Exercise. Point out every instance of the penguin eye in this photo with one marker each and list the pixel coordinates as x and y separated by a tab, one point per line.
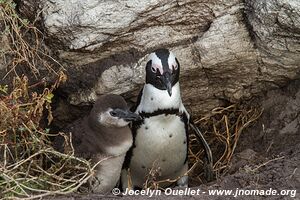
113	113
153	69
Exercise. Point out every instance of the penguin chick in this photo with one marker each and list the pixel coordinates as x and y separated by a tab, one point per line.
104	135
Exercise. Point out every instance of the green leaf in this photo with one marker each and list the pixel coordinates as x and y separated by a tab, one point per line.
21	128
4	88
25	21
49	97
47	130
13	5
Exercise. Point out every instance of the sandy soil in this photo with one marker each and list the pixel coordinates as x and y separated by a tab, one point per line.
268	154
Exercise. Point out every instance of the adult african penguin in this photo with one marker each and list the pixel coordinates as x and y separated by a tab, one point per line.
104	137
161	138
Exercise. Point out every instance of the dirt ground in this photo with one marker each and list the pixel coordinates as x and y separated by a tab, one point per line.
267	156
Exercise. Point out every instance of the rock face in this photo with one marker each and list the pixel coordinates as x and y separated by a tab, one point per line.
228	50
101	28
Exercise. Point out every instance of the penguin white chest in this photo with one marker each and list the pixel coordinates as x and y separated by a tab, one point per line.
160	143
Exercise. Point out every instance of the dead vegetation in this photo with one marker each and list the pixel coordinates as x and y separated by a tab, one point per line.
222	128
29	166
26	50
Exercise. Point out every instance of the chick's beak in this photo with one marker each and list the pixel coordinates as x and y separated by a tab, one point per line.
127	115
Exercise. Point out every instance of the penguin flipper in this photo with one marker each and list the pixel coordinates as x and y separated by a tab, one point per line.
133	108
209	158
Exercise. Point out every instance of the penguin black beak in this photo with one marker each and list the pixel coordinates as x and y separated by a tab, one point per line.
126	115
167	81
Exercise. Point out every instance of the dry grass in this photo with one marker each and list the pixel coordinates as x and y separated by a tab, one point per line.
26	49
222	128
29	166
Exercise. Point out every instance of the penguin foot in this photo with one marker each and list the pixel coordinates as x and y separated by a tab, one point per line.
183	182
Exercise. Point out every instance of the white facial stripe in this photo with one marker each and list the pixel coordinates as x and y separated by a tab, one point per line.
156	63
172	61
106	119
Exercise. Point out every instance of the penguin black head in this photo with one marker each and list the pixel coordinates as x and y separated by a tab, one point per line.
111	111
162	70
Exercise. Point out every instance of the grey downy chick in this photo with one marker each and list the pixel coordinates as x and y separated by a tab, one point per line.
104	137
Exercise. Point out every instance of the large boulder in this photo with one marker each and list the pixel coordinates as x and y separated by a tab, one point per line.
228	50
